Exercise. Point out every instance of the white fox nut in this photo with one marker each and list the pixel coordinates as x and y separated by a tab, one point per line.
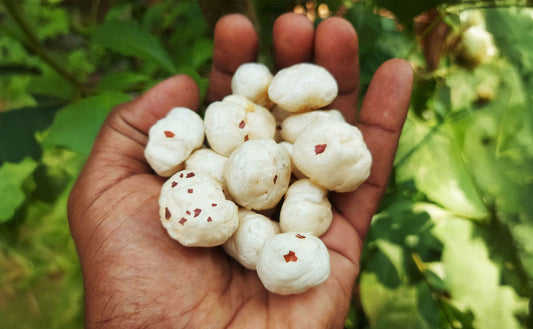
303	87
251	80
306	208
257	174
333	155
235	120
207	161
246	243
172	139
194	211
291	263
293	125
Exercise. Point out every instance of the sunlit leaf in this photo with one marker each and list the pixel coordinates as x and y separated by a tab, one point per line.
12	177
474	280
76	125
130	39
434	163
399	308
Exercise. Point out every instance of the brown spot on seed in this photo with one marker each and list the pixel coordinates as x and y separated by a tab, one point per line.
319	148
197	212
189	175
167	213
181	175
213	205
182	220
187	212
242	124
246	138
290	257
173	184
299	236
275	179
169	134
209	219
190	190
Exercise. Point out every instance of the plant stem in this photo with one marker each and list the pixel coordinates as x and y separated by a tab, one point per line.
35	45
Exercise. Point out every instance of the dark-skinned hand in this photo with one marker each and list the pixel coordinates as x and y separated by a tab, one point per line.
136	276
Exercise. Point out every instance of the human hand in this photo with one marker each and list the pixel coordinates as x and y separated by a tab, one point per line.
135	275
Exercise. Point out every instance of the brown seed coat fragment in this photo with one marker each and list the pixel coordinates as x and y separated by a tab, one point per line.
169	134
320	148
290	257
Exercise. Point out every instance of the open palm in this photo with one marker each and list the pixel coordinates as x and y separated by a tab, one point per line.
136	276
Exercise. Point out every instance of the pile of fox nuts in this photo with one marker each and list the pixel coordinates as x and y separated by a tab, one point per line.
260	187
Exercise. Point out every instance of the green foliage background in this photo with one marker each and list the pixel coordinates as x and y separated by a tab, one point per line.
452	243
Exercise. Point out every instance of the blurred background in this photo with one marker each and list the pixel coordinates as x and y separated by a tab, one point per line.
452	243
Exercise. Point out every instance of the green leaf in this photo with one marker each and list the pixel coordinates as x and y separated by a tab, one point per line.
436	167
366	23
130	39
12	177
202	52
511	31
403	307
120	81
473	279
76	125
17	131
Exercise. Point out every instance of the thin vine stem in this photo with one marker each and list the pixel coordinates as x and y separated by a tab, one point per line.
37	47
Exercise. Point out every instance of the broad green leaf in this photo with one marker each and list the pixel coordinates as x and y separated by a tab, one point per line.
366	23
120	81
434	163
12	177
130	39
51	84
395	254
511	30
17	131
403	307
76	125
473	279
202	51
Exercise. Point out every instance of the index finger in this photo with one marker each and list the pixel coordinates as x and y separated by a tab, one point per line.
337	49
235	43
